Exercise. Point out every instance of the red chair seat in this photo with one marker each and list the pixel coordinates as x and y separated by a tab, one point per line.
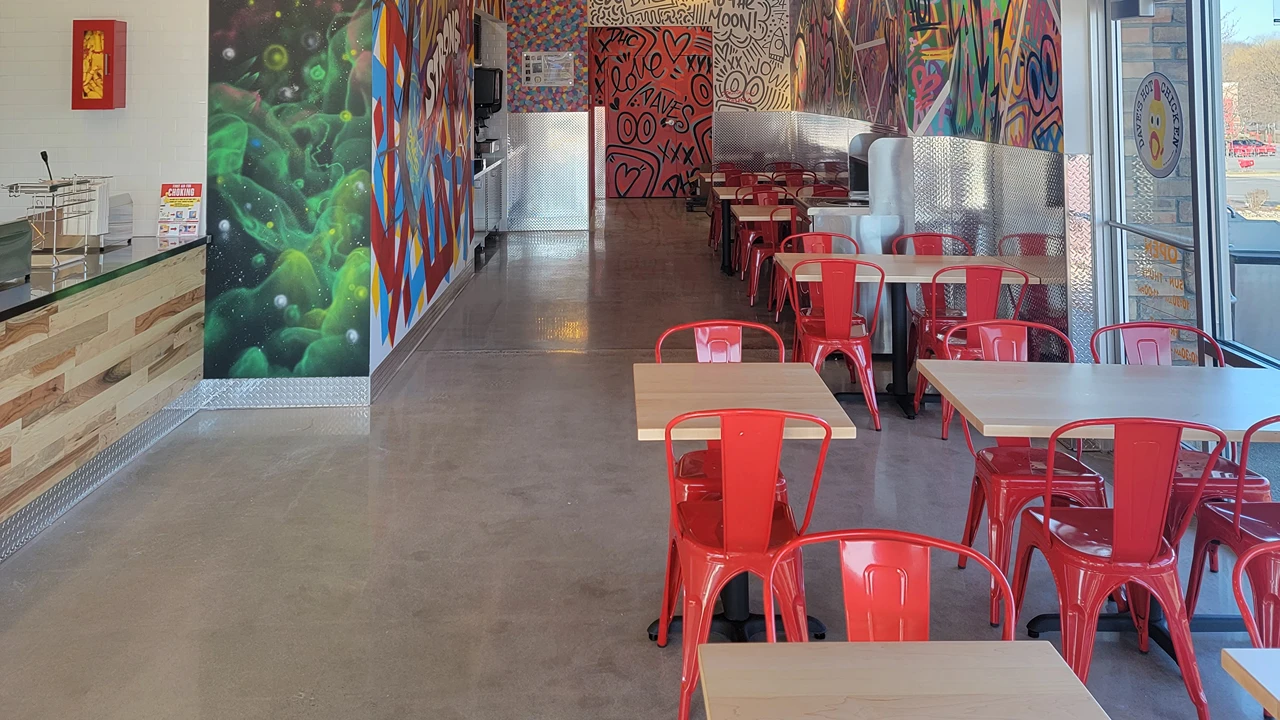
816	325
1225	473
1086	532
702	522
1259	520
697	484
1030	464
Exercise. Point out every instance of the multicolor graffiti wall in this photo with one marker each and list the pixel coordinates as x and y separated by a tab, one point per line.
655	86
546	26
982	69
289	157
422	133
750	48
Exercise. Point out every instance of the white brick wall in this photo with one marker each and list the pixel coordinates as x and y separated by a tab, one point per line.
160	134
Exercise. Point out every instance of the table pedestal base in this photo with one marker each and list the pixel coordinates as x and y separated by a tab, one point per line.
736	622
1158	629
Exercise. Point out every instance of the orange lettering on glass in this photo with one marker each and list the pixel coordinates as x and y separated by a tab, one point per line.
93	86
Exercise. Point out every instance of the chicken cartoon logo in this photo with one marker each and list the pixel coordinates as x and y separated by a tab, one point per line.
1157	125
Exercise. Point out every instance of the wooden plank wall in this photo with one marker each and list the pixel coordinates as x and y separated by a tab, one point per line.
78	374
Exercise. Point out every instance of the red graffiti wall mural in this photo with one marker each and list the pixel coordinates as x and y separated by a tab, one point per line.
656	86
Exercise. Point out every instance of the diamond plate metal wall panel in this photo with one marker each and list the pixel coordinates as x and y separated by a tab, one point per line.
548	181
752	139
819	138
287	392
39	514
1082	307
601	191
985	193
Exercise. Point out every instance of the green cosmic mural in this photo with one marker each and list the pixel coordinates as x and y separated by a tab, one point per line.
289	202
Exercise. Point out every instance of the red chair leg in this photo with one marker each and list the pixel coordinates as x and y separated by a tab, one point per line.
1080	597
921	386
1213	558
670	594
789	587
1196	576
757	266
1140	611
703	583
1166	590
1021	568
977	500
861	370
948	412
1264	578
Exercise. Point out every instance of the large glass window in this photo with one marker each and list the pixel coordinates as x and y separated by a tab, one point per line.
1152	149
1246	243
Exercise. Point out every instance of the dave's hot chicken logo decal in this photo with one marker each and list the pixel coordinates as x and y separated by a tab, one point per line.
1157	124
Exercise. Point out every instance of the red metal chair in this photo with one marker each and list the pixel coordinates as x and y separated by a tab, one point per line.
714	540
1242	525
1023	244
782	166
1093	551
885	576
698	472
926	244
722	166
808	242
839	327
1009	476
763	234
1151	343
982	285
1266	600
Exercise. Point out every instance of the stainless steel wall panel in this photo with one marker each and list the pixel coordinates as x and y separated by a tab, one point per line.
548	165
287	392
819	138
1082	301
752	139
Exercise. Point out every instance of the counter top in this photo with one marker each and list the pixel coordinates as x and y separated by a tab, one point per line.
46	287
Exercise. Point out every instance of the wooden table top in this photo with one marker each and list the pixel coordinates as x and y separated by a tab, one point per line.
1034	399
1257	671
892	681
718	177
665	390
897	268
721	193
763	213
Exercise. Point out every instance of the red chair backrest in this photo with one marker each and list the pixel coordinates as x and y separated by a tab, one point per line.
929	244
757	179
1150	342
1024	244
828	191
840	293
1146	455
751	443
732	177
818	242
1237	585
1004	341
982	285
720	340
783	165
885	578
798	178
1246	442
766	197
722	166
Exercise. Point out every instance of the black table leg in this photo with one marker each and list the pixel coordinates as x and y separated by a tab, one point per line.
1157	627
726	238
736	622
901	326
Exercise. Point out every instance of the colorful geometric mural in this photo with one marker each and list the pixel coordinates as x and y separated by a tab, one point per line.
546	26
655	85
288	163
422	134
982	69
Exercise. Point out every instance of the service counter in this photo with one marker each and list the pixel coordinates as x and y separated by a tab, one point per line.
89	353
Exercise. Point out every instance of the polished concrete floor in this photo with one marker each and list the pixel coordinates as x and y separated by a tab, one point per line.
485	542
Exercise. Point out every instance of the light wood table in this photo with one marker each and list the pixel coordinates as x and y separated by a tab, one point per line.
1034	399
1257	671
716	178
665	390
892	681
764	213
722	193
898	268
